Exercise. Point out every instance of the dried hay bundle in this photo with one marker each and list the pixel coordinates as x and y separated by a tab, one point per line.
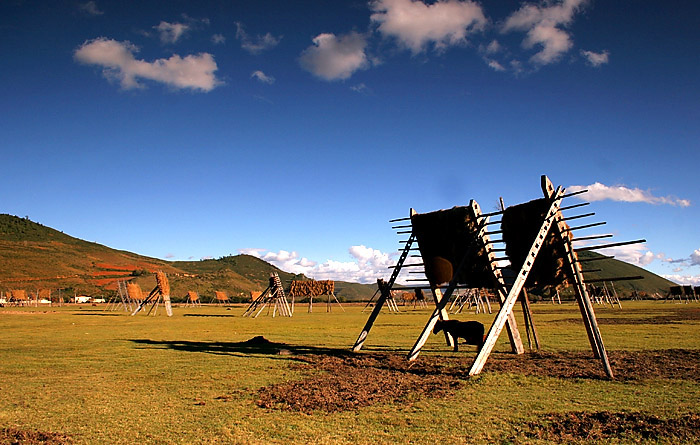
18	294
520	225
255	294
444	238
192	296
134	291
311	288
45	294
221	296
162	283
676	290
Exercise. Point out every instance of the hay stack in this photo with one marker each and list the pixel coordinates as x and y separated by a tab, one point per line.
520	225
162	282
221	296
192	296
311	288
18	294
255	294
444	237
134	291
45	294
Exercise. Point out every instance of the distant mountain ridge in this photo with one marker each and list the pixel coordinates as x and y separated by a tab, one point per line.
33	256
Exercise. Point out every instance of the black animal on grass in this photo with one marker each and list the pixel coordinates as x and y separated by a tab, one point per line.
471	331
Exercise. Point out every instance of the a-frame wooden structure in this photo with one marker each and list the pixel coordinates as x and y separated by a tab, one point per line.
121	299
553	229
192	299
273	295
161	292
444	273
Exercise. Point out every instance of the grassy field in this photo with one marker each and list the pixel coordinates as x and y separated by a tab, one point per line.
91	376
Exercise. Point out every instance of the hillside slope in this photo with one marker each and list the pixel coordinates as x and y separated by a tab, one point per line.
33	256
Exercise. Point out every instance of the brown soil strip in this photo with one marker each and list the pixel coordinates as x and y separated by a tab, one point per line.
689	314
597	426
346	382
626	365
27	312
16	436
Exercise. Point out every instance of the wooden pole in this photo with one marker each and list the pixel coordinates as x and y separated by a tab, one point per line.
385	291
516	342
509	302
585	306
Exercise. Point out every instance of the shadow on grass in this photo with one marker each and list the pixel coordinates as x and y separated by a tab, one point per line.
208	315
103	314
255	346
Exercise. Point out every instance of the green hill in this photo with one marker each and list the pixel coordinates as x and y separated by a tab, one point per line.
33	256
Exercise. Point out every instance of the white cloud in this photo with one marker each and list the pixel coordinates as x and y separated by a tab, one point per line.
495	65
194	72
600	192
256	252
90	8
171	32
334	58
218	39
257	44
596	59
493	47
368	265
262	77
359	88
543	24
695	258
693	280
169	255
637	254
416	24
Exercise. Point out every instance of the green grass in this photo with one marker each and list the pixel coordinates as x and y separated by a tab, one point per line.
106	377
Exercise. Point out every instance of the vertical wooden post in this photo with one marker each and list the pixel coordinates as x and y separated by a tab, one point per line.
582	297
529	324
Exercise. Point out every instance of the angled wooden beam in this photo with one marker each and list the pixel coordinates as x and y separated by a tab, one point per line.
582	297
507	306
385	293
516	342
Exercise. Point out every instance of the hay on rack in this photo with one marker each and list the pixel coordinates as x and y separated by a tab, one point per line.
162	283
18	294
45	294
255	294
444	238
311	288
221	296
520	225
134	291
676	290
192	296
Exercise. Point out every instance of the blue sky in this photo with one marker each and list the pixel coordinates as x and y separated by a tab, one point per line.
296	130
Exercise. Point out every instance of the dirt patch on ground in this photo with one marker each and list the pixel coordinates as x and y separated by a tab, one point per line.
27	312
597	426
626	365
351	382
345	382
16	436
681	315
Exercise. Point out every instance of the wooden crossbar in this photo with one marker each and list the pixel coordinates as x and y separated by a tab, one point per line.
384	294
